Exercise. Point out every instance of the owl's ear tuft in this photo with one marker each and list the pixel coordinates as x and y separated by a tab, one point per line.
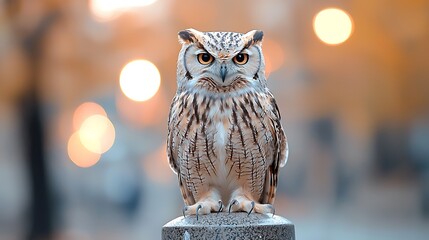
186	37
257	37
253	37
189	36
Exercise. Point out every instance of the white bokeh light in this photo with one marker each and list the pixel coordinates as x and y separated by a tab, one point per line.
105	10
97	134
140	80
333	26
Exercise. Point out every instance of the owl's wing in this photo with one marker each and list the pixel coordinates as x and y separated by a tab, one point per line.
280	137
173	148
171	145
280	151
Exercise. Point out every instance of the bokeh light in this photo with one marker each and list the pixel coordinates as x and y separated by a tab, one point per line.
274	55
79	155
333	26
84	111
140	80
105	10
97	133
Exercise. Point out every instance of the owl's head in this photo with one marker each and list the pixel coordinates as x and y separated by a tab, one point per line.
220	61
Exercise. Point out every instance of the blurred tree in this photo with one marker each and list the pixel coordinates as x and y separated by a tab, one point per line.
41	224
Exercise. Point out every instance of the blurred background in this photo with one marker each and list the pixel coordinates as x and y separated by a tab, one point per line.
85	88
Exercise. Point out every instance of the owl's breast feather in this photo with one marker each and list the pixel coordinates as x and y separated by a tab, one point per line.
221	128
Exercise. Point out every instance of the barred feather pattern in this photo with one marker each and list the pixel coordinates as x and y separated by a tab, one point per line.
226	141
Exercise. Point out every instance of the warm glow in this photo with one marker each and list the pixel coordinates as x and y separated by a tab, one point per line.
143	114
105	10
274	56
140	80
79	154
333	26
97	133
84	111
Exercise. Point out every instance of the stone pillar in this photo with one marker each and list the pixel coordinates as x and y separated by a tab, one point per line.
229	226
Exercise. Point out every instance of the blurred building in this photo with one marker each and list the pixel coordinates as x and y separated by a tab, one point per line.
82	155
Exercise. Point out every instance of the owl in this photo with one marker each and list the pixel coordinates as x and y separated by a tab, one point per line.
225	141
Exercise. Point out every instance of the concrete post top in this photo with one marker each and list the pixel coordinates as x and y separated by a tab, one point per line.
233	219
229	226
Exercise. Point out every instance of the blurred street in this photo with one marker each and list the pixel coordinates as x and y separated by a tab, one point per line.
86	87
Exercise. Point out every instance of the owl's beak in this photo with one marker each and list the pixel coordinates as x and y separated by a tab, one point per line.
223	71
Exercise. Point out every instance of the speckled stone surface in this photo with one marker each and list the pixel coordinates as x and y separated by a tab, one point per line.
229	226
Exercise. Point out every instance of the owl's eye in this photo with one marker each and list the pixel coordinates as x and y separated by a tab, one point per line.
205	58
241	58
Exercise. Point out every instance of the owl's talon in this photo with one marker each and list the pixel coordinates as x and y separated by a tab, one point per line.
233	202
253	206
273	209
198	208
220	206
185	208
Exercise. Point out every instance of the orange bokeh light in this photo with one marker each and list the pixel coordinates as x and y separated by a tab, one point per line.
84	111
274	56
79	155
